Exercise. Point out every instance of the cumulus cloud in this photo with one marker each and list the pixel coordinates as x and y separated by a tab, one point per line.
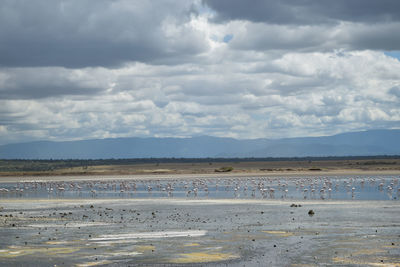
85	33
306	12
311	25
311	38
312	92
31	83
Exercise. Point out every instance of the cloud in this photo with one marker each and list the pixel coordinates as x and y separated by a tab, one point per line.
301	94
312	38
35	83
85	33
395	91
306	12
307	26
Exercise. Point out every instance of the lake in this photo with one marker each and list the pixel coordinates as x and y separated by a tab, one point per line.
296	188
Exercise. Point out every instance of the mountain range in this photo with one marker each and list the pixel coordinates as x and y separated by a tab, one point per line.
366	143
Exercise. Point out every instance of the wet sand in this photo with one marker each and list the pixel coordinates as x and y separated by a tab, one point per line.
136	232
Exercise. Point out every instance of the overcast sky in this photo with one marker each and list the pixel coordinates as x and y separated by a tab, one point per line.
83	69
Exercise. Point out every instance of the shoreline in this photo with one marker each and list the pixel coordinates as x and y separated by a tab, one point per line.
203	201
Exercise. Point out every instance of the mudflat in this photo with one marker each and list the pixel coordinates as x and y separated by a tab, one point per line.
122	232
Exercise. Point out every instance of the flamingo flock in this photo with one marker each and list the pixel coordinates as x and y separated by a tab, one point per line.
249	187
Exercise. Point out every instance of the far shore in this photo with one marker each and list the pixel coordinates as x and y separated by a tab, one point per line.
13	171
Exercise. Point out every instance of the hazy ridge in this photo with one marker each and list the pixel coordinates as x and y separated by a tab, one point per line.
374	142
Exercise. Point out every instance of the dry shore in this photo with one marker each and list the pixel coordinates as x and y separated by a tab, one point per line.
213	169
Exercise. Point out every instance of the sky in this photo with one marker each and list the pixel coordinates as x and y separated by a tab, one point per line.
90	69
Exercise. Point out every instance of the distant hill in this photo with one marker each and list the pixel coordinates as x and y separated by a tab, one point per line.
367	143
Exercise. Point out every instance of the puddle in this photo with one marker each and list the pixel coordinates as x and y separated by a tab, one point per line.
67	225
93	263
143	249
14	251
376	261
278	233
150	235
203	257
192	245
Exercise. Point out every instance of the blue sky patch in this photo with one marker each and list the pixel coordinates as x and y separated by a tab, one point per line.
394	54
227	38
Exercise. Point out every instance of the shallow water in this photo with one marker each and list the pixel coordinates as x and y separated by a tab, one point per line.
313	187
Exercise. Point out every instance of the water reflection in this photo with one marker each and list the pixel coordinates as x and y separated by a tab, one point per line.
332	187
